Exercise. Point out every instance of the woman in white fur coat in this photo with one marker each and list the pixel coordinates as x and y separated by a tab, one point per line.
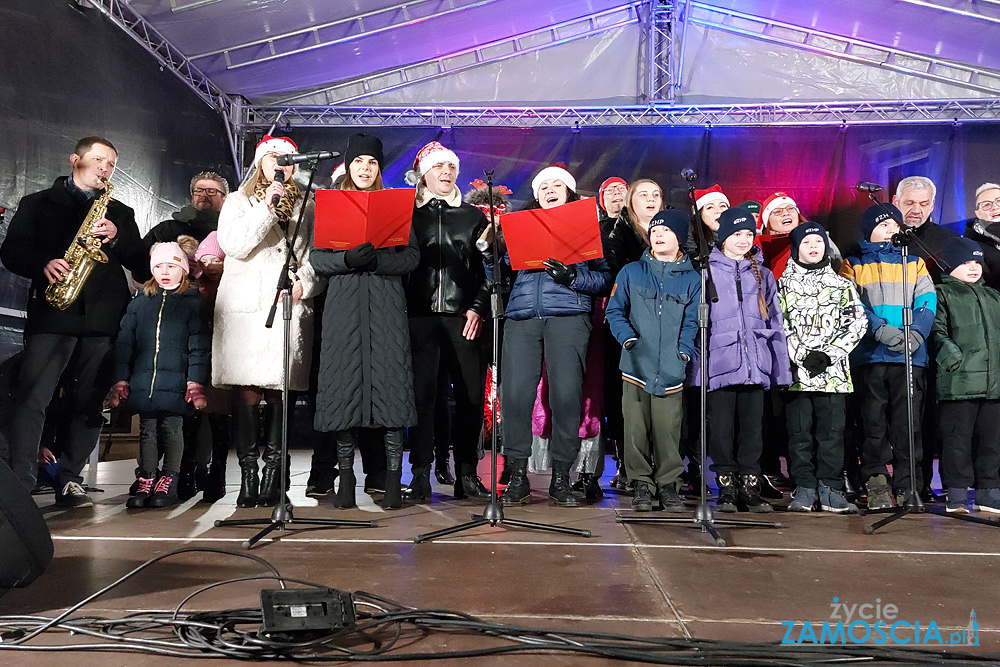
255	226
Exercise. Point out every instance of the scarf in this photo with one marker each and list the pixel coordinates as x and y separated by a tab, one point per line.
283	211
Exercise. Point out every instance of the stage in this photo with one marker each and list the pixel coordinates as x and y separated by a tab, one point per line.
666	581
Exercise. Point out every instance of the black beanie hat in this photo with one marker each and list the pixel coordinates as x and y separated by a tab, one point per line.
673	220
957	251
360	143
805	229
733	220
874	216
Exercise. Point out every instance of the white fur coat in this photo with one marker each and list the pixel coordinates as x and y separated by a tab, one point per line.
244	352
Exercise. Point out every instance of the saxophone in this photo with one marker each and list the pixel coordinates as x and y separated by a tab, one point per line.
82	254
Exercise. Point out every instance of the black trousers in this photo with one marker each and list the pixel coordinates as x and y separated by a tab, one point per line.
735	439
562	342
160	433
438	345
46	357
882	389
970	433
816	438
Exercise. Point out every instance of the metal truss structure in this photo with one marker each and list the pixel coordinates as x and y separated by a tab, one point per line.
121	14
661	66
785	114
352	90
846	48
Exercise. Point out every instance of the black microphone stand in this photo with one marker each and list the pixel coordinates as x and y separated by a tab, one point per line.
913	503
493	514
703	517
282	515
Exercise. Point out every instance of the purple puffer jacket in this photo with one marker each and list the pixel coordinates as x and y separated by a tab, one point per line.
743	347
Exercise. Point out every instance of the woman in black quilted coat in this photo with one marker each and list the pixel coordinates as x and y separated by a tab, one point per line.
365	371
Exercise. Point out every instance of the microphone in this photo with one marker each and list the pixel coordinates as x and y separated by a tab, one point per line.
295	158
485	239
279	177
862	186
688	175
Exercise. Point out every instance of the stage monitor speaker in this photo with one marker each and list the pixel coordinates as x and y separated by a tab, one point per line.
25	543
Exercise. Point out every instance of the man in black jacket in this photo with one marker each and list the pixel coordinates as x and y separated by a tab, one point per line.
201	217
75	339
447	301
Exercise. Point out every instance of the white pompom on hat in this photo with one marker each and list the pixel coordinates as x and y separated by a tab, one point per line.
552	172
168	253
428	156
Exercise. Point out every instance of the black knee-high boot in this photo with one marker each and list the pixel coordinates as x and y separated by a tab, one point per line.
215	484
270	476
246	423
393	498
346	443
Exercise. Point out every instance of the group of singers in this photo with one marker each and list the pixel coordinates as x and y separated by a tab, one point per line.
383	338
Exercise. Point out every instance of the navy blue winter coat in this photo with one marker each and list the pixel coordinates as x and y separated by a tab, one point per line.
656	302
162	345
536	294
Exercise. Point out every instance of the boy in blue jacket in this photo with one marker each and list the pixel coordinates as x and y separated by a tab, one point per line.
653	314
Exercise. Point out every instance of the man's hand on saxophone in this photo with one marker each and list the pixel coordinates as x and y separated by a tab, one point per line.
105	229
55	270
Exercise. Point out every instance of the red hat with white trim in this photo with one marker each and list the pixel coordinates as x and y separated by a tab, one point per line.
708	195
552	172
777	200
607	184
269	144
428	156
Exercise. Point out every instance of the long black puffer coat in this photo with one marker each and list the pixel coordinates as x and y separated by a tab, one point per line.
163	344
365	368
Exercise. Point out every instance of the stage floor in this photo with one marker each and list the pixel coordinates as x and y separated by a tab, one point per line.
659	580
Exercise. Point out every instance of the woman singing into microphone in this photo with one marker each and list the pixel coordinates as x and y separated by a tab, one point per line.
256	226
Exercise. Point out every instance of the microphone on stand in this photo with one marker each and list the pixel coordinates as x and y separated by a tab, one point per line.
862	186
279	177
295	158
688	175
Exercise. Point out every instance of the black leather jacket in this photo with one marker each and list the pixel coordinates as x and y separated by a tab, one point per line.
450	278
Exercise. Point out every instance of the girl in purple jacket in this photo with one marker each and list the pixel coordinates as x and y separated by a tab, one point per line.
747	356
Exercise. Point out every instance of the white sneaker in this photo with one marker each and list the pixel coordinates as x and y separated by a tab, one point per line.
73	496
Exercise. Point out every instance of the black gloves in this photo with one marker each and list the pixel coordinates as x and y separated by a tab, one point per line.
560	273
816	362
360	257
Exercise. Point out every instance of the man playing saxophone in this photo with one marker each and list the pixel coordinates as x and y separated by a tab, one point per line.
73	338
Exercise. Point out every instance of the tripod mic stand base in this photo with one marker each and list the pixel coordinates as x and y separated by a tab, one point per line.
493	516
282	516
703	519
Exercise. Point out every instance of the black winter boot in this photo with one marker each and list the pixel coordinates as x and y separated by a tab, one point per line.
346	442
560	489
270	477
518	492
246	422
504	471
393	498
419	489
468	484
323	468
749	495
727	492
215	482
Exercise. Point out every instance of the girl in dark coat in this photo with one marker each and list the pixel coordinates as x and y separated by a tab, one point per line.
161	363
366	372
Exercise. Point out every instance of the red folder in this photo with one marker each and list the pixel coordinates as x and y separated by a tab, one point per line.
569	233
347	218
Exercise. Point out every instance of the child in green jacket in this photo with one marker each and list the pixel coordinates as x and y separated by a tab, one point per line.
966	341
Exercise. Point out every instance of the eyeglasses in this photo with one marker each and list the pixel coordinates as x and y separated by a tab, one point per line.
988	205
211	192
783	210
615	189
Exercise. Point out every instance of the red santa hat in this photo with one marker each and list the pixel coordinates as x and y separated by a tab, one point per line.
777	200
552	172
428	156
338	174
269	144
709	195
607	184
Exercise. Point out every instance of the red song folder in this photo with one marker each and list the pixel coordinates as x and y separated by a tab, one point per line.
347	218
569	233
